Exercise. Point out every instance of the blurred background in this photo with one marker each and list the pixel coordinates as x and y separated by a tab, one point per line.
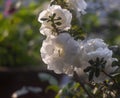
20	41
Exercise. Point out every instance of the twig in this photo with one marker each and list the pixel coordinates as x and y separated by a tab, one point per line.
77	79
109	76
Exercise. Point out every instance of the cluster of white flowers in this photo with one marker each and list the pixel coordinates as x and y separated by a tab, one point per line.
62	19
61	52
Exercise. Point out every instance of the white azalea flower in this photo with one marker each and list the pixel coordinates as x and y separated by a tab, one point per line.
100	53
63	16
46	31
93	44
60	53
92	49
77	5
108	69
88	47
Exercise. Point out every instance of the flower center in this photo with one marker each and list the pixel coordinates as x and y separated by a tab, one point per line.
59	51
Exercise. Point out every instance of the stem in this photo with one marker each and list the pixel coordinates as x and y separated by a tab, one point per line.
109	76
53	24
117	85
83	86
77	79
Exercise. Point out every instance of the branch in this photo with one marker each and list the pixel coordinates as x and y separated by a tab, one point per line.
109	76
77	79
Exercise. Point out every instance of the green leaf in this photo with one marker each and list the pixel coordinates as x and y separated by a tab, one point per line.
53	2
54	14
102	60
88	69
43	19
97	72
91	73
91	62
97	60
53	88
57	96
58	23
59	18
115	63
76	85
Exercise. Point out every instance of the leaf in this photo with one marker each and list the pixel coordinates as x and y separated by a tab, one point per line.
115	63
53	88
53	2
91	62
97	72
102	60
59	18
58	23
76	85
91	75
54	14
97	60
88	69
70	84
43	19
57	96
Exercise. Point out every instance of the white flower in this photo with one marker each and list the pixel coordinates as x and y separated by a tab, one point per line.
46	31
88	47
100	53
77	5
93	44
62	16
108	69
92	49
60	53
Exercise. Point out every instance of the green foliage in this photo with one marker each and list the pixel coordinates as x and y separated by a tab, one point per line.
54	88
114	28
96	67
71	90
53	82
90	22
77	32
20	38
62	3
